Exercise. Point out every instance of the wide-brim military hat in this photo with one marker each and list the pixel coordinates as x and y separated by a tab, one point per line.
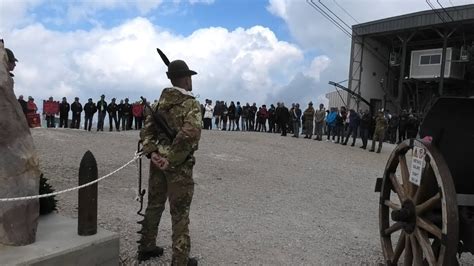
179	69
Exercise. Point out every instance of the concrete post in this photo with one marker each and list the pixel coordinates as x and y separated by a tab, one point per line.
87	213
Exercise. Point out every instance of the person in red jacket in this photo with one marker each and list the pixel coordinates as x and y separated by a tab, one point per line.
32	116
137	111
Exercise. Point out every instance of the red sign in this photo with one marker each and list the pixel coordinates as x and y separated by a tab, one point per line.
50	107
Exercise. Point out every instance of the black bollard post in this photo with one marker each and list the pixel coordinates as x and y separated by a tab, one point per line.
87	214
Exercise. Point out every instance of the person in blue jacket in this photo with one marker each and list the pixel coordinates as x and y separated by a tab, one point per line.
331	122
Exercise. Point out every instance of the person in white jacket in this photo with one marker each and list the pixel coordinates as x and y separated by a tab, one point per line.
208	113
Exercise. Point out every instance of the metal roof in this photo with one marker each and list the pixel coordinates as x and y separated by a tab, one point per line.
421	19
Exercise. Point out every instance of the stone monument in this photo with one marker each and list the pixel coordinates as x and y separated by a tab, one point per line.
19	166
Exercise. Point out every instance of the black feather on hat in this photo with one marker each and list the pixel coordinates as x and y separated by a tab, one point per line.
176	68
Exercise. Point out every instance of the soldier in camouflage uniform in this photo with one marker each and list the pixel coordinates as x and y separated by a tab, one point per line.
308	121
171	165
379	134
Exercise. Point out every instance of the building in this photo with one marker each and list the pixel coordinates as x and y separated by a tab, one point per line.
337	98
407	61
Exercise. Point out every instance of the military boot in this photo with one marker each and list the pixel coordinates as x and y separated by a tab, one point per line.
192	262
147	254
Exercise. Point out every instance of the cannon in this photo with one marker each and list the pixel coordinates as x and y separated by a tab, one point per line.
426	208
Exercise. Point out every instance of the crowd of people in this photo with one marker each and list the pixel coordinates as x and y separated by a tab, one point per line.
124	115
337	124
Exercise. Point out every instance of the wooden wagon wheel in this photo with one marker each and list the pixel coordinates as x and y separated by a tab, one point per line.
418	225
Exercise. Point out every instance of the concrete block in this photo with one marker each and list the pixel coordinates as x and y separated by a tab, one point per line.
57	243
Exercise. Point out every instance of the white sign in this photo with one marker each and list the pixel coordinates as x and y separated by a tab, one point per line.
417	163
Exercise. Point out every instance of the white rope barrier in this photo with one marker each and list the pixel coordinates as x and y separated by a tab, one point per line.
135	157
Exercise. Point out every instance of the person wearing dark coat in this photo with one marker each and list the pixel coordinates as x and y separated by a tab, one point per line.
364	127
231	111
392	128
245	115
252	113
225	112
284	118
64	109
126	115
296	117
76	109
89	110
24	104
354	121
238	113
402	126
112	109
271	119
339	128
412	126
102	109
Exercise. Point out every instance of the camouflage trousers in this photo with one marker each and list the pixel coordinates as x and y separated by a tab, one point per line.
309	128
177	185
379	136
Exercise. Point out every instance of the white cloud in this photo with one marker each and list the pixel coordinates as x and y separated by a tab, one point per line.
14	13
243	64
318	64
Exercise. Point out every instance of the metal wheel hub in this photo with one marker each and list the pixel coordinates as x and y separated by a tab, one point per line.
406	215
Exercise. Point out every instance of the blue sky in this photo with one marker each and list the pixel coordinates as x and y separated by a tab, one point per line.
181	18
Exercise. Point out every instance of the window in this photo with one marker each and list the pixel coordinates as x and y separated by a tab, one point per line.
433	59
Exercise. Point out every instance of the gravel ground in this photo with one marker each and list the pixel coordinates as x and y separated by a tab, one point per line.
259	198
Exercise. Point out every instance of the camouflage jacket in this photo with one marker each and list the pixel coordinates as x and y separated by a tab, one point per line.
183	114
309	113
380	122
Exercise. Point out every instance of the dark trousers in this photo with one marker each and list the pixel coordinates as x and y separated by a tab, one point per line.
271	125
208	123
100	122
237	120
63	121
392	134
130	122
402	134
112	118
50	121
283	128
138	122
125	119
364	134
88	122
76	120
252	123
338	131
330	130
352	131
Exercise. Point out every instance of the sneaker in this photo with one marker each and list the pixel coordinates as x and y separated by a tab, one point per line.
146	255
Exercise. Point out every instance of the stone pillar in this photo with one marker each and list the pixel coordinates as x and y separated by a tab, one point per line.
19	167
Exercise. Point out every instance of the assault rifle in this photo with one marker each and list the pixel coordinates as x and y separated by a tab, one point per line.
160	122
